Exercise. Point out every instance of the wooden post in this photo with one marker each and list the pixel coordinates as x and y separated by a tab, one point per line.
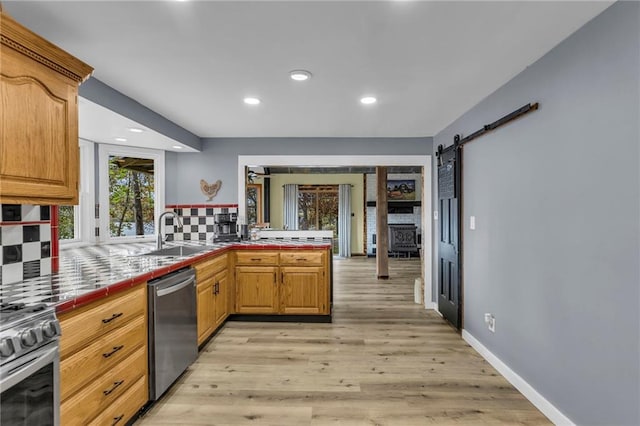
382	231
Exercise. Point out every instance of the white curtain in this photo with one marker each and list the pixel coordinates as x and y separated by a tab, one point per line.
290	206
344	220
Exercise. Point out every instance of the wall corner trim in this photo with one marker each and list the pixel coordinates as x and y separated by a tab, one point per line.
433	306
544	405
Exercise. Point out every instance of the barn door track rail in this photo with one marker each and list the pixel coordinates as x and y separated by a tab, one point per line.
500	122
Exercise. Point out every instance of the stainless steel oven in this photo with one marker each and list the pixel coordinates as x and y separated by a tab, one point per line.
29	367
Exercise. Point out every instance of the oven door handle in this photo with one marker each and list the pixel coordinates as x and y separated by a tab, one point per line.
26	365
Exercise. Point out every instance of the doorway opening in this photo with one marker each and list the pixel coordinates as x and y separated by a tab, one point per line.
327	161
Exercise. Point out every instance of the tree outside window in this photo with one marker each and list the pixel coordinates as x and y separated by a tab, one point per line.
131	196
67	223
318	208
254	204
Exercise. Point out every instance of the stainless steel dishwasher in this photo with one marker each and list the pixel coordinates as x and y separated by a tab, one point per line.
173	334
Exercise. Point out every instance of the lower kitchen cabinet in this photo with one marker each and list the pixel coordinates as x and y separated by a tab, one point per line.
80	408
221	292
303	290
296	283
257	289
212	295
205	307
125	407
105	361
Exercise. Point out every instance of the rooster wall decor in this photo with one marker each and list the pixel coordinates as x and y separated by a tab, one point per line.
210	189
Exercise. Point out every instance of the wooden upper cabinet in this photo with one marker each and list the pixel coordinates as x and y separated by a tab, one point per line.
39	161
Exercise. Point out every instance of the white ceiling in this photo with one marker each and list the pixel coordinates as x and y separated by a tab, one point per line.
99	124
193	62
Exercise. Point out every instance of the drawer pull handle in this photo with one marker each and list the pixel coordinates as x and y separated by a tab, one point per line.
301	259
115	386
115	349
114	316
255	259
117	419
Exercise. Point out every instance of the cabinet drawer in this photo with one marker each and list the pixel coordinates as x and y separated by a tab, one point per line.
209	267
257	258
124	408
85	324
98	395
304	258
103	354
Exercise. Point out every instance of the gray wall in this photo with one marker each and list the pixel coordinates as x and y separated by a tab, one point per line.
556	249
219	160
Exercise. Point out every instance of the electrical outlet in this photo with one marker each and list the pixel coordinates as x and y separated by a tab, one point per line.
490	320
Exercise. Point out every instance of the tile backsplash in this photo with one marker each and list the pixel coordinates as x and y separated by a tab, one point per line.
25	242
28	235
197	221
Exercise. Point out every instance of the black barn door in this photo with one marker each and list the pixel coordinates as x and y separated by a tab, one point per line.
449	278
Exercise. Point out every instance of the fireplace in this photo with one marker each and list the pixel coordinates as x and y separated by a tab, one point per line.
402	238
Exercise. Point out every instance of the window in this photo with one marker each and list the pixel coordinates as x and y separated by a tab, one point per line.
75	222
318	208
68	221
254	204
131	191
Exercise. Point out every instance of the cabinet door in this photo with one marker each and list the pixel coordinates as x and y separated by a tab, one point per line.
303	290
205	308
39	161
256	289
221	298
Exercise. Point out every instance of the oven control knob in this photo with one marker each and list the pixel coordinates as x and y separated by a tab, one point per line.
6	347
50	328
28	338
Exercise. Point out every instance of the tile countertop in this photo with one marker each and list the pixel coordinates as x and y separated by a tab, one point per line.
89	273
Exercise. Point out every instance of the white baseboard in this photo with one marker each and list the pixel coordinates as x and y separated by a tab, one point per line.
547	408
431	305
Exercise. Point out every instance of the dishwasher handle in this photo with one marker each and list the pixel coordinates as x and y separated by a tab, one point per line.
176	287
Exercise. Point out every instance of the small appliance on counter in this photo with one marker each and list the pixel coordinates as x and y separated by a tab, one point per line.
225	227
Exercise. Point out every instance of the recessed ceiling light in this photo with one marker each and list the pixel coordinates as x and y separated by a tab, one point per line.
121	139
300	75
177	147
135	130
368	100
251	101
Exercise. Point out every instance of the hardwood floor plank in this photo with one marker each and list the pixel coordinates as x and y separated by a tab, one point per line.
383	361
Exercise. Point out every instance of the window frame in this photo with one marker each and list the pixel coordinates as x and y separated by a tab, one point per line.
158	157
84	211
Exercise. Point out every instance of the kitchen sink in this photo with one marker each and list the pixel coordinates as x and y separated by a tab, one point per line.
175	251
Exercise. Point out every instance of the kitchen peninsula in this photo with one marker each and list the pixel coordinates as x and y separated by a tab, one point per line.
100	295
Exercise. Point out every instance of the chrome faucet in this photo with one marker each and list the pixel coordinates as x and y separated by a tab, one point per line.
161	225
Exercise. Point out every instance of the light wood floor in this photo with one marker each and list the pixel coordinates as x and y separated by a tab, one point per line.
383	361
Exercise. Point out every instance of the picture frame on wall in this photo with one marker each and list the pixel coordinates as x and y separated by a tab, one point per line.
401	190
